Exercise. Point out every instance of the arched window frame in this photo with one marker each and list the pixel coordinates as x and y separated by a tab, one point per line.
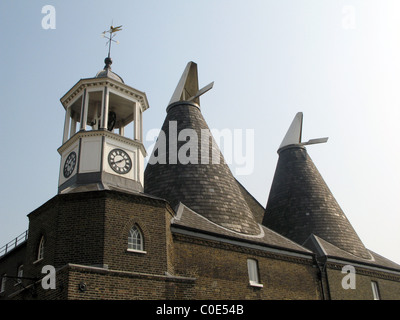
136	240
3	282
20	273
40	251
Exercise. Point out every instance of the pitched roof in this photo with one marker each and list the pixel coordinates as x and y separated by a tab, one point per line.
190	220
193	171
326	249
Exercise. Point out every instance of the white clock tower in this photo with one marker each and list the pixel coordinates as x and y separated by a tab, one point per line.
103	135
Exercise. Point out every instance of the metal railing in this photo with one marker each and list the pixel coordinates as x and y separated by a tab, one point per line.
14	243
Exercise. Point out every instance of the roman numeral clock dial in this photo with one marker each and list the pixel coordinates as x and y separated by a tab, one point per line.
119	161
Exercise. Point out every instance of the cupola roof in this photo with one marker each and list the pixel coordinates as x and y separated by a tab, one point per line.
107	73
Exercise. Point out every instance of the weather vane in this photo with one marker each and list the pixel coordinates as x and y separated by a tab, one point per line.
109	35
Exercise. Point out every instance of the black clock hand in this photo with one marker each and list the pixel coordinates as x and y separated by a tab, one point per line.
119	161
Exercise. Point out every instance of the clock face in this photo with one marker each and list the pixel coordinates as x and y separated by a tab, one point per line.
69	164
119	161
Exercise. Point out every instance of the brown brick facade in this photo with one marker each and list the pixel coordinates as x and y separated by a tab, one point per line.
388	284
86	240
9	265
152	217
221	272
92	229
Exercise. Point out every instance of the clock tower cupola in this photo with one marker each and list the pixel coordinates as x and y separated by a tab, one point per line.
102	146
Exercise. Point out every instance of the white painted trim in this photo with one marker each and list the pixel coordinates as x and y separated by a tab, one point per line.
136	251
67	122
94	83
83	133
256	284
73	99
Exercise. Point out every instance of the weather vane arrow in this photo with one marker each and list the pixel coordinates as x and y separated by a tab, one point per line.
109	35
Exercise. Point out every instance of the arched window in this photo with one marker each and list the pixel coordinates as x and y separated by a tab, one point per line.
20	273
3	283
40	251
135	239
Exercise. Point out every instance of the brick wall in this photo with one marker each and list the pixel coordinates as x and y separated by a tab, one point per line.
151	216
92	228
88	230
105	284
388	284
9	264
77	282
73	229
221	272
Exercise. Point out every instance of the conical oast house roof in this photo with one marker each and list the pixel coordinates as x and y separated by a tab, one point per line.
300	202
192	170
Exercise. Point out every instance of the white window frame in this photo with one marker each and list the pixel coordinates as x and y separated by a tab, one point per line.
40	250
252	268
136	240
375	290
20	273
3	282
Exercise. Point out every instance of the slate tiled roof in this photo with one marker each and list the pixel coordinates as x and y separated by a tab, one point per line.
189	219
206	187
300	204
256	208
324	248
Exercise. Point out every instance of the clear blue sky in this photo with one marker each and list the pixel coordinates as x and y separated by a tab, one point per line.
336	61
